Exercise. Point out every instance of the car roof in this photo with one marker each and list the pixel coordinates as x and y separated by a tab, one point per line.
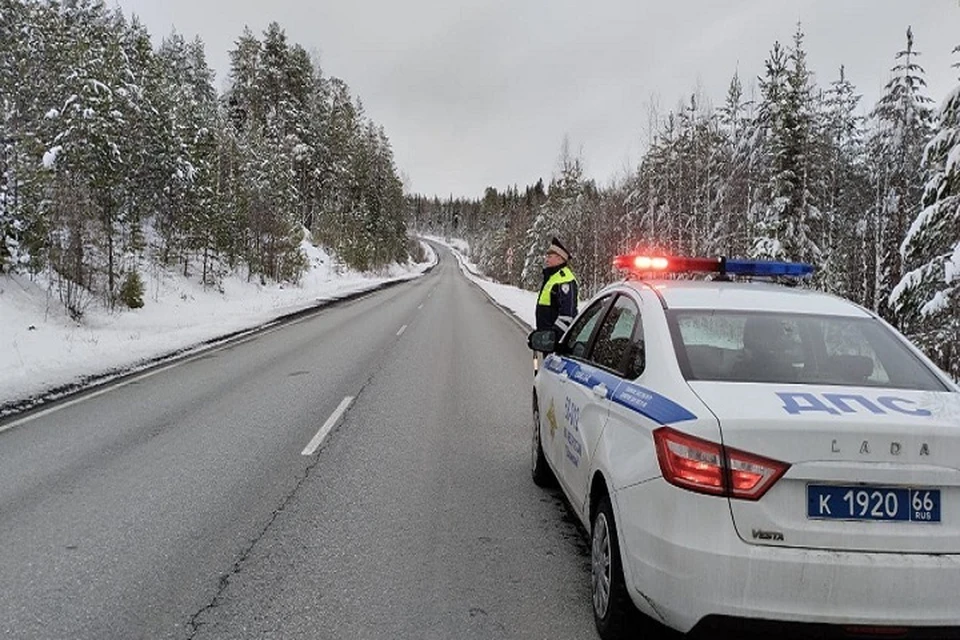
747	296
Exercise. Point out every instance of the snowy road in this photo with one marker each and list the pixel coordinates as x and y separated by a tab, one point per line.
244	494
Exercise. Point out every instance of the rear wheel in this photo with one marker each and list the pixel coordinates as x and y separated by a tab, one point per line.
613	611
539	469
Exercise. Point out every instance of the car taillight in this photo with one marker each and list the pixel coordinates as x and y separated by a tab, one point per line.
690	462
707	467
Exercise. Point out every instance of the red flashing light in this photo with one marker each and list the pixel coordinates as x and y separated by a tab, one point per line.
641	263
647	263
706	467
665	264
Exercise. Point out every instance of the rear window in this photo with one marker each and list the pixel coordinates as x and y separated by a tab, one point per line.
800	349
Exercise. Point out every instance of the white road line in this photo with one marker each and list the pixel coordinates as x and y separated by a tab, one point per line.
327	426
138	377
402	329
90	396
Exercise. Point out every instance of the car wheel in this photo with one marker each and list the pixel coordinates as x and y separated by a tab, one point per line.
539	469
613	611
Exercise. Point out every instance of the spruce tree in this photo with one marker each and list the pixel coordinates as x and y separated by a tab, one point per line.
902	126
927	298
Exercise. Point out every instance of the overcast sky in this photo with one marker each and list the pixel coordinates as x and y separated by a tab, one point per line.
481	92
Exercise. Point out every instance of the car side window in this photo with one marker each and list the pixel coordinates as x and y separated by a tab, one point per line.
635	361
578	338
615	336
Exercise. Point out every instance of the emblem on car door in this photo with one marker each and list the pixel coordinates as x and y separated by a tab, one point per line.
552	419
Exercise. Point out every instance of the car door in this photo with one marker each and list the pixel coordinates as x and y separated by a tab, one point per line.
597	378
562	398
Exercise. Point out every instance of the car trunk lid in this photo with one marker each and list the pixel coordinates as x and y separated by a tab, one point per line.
870	469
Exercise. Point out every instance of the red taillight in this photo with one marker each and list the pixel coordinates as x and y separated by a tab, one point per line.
690	462
706	467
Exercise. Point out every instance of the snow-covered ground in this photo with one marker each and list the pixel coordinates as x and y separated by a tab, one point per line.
43	353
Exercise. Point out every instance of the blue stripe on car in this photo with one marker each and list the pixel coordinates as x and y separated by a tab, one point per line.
640	399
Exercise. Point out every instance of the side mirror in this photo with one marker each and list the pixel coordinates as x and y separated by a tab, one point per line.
544	341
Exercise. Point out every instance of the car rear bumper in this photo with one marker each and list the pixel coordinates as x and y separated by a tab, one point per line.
684	561
756	629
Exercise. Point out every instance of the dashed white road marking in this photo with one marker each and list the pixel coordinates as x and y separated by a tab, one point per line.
327	426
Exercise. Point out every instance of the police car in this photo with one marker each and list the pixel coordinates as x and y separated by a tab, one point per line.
747	454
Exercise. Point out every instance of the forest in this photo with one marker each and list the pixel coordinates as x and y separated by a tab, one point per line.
118	158
784	168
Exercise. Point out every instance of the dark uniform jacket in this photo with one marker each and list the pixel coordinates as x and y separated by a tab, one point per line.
557	302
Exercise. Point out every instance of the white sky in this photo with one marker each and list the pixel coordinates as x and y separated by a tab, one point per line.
481	92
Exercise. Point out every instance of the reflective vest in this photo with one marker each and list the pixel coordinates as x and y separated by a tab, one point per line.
562	276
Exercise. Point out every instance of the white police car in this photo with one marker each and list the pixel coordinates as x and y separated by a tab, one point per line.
748	454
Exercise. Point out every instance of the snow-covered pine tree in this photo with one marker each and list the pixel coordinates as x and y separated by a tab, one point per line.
271	82
31	46
244	101
846	198
16	40
927	298
149	136
489	243
776	181
178	215
206	224
84	133
393	230
732	200
902	126
306	113
560	215
340	142
789	221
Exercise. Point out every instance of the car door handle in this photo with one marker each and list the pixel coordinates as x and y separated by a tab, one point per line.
600	390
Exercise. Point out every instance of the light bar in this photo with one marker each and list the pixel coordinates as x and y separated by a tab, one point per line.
679	264
768	268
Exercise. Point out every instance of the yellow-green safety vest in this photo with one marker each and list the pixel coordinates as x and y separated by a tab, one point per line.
562	276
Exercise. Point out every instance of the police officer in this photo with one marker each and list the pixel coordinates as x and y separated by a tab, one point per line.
557	303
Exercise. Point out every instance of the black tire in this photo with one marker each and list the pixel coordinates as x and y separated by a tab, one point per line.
539	469
613	611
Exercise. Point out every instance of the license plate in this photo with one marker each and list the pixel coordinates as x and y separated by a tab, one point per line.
883	504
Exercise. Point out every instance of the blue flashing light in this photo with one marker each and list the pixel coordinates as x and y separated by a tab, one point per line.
768	268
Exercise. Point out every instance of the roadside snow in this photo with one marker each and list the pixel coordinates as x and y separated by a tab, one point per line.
42	349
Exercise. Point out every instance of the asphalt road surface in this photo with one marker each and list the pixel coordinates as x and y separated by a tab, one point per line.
217	499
